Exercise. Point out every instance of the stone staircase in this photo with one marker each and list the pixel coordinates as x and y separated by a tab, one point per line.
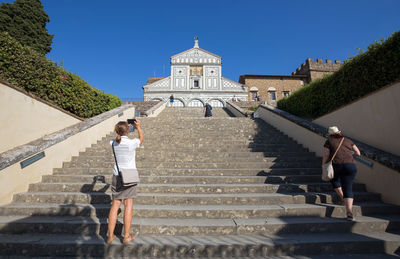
143	106
210	188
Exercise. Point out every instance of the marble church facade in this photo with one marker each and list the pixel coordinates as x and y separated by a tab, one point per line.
196	78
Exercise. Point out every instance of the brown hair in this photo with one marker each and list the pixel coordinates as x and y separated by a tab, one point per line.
337	135
121	128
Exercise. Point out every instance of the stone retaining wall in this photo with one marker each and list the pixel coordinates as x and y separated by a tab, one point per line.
374	119
57	147
25	117
236	110
383	177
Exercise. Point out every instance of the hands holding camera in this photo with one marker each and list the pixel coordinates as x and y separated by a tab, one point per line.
136	123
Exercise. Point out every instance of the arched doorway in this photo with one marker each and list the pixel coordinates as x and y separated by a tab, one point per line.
216	103
195	103
178	103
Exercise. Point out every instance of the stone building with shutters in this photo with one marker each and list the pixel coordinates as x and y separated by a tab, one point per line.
272	88
196	78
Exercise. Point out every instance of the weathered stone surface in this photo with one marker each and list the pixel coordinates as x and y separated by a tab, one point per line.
219	187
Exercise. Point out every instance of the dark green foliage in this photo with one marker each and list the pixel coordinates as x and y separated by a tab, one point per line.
33	72
25	20
362	74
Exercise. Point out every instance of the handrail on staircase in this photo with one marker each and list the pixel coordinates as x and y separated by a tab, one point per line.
156	109
236	110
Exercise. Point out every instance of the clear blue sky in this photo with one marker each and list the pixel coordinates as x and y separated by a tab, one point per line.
117	45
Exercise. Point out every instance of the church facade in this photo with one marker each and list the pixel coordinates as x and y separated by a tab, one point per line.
196	78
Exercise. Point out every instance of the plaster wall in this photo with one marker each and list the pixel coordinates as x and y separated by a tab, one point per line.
14	179
24	119
374	120
377	178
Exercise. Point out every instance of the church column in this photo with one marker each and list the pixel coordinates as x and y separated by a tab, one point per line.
220	78
188	78
172	77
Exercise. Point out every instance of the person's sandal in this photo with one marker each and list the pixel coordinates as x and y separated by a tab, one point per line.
128	239
350	216
110	239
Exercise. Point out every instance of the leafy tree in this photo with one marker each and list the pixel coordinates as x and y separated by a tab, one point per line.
25	20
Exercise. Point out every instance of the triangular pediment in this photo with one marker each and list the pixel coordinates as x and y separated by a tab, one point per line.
193	51
195	55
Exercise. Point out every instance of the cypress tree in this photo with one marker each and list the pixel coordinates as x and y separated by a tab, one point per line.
25	20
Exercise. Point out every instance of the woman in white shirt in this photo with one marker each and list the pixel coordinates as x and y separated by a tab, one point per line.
125	152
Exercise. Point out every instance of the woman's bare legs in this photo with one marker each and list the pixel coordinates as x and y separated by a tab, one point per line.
340	193
128	214
349	205
112	219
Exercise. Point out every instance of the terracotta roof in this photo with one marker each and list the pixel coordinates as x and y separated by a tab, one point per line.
153	79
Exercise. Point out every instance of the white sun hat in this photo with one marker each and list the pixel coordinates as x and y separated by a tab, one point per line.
333	130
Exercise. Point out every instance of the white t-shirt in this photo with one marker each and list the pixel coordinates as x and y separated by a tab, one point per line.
125	153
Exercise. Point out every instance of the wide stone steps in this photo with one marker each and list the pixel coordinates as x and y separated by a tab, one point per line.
192	199
199	136
193	112
225	246
240	138
202	165
189	179
196	172
172	227
210	188
200	211
217	147
191	188
211	159
142	152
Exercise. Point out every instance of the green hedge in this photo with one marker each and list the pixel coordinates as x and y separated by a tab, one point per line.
25	68
360	75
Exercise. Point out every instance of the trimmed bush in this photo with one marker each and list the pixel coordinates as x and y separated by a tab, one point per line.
360	75
29	70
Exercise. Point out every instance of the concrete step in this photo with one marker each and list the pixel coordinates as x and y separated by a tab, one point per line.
237	140
199	179
281	150
199	246
173	227
201	165
189	158
191	199
210	143
143	153
140	152
330	256
195	172
210	187
191	188
201	211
